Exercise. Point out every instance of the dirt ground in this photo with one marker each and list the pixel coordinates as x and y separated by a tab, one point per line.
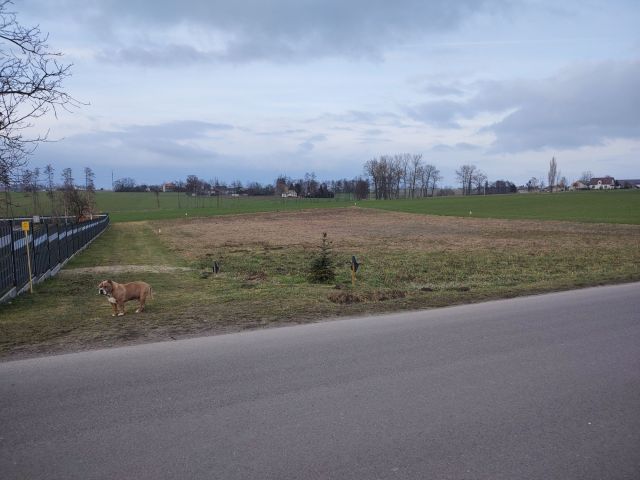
355	228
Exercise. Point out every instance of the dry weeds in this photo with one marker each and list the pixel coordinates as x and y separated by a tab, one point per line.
355	228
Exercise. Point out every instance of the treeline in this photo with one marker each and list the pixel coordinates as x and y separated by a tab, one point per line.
306	187
65	197
393	176
310	187
475	181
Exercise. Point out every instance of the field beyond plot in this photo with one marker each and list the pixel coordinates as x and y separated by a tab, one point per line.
407	261
616	206
619	206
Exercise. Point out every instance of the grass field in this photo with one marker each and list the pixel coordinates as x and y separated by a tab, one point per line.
408	262
129	207
620	206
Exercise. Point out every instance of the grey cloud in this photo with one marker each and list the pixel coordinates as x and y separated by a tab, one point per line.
461	146
306	146
178	130
155	55
373	132
318	138
442	90
439	113
585	105
361	117
310	143
278	133
277	29
150	142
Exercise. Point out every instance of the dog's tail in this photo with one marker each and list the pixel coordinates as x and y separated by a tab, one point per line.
150	292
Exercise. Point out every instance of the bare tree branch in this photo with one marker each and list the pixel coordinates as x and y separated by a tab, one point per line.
31	79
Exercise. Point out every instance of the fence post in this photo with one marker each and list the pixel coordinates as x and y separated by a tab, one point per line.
13	257
46	235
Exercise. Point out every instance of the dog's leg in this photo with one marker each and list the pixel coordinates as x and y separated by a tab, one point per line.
115	310
121	305
142	299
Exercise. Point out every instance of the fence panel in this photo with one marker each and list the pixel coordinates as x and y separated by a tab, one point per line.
52	237
20	263
6	258
50	245
40	247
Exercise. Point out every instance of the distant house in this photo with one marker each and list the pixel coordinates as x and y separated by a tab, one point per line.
602	183
628	183
578	186
169	187
290	194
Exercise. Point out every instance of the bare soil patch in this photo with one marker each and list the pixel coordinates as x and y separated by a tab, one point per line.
354	228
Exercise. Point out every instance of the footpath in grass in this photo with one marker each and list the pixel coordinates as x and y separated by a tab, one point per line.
618	206
407	262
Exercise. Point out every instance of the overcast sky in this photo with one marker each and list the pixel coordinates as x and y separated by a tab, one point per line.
249	89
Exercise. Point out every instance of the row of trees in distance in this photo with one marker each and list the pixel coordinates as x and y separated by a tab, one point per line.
308	186
65	197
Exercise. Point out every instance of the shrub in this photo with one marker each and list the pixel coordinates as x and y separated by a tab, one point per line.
322	266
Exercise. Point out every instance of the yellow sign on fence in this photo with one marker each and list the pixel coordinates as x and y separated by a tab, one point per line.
25	226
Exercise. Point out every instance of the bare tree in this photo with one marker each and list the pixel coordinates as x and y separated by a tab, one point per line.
67	178
563	183
541	183
479	180
89	178
34	188
89	190
552	175
50	187
377	170
391	174
414	173
67	189
427	176
401	163
586	177
361	188
465	176
31	78
435	178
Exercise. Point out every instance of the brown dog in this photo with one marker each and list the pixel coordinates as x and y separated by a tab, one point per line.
119	293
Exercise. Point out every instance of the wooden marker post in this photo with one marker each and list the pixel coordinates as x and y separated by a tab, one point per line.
25	229
354	269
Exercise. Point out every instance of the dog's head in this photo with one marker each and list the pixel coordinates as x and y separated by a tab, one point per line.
105	287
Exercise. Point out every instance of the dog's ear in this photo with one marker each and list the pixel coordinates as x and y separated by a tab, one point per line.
110	282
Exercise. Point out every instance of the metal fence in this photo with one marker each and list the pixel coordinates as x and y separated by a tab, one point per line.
51	243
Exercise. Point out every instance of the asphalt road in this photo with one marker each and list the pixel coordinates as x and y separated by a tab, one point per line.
544	387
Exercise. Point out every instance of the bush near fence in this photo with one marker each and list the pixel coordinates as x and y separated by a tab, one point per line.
52	242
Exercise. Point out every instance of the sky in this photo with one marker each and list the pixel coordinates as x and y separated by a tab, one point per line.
251	89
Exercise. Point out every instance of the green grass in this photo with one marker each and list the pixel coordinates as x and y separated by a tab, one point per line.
130	207
619	206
